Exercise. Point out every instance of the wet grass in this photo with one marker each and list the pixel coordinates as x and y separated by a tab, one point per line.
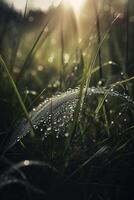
83	144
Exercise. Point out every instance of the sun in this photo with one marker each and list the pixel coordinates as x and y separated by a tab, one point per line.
75	4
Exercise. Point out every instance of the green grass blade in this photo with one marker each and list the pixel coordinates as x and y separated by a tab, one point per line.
97	52
26	7
121	82
17	94
99	37
101	103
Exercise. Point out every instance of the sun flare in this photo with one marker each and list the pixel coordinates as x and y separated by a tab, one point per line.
75	4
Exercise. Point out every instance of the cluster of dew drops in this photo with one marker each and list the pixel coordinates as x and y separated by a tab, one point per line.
58	119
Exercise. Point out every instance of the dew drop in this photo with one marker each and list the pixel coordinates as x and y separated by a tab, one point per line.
66	135
26	162
18	139
122	73
57	136
111	111
41	130
49	129
112	122
106	100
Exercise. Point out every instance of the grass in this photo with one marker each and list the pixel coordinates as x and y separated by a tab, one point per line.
91	155
17	94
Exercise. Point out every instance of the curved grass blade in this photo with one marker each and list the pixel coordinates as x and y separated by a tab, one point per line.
13	180
17	94
28	163
106	64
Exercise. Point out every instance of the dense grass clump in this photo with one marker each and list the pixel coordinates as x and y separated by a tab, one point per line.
66	102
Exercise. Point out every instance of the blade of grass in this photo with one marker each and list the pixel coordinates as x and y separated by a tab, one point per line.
101	103
76	112
17	94
99	37
37	98
106	120
23	68
20	33
121	82
29	56
26	7
62	69
85	83
95	57
98	153
106	64
127	36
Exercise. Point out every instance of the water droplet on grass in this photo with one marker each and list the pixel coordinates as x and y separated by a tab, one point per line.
49	129
66	135
26	162
112	122
63	108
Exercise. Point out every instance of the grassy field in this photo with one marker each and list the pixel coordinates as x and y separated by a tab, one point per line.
66	102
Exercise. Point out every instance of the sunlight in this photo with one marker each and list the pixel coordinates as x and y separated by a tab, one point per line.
45	4
75	4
